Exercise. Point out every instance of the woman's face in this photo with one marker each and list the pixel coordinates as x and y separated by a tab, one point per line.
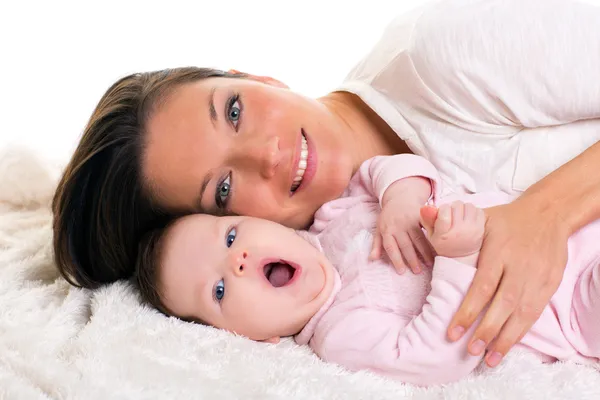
239	146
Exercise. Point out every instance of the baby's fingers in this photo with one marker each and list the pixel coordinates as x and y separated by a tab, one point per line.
428	216
470	212
376	248
458	211
408	253
443	223
423	247
391	248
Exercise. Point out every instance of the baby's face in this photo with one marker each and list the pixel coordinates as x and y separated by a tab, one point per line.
250	276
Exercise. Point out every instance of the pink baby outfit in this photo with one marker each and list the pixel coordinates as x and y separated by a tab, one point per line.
395	325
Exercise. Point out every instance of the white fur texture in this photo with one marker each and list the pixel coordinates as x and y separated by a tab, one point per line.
61	342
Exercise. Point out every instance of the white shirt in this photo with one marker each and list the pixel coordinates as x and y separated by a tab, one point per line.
495	93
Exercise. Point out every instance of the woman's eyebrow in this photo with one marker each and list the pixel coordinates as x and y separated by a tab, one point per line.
205	183
211	107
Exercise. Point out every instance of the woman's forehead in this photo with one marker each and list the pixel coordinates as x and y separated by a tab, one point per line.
180	148
201	88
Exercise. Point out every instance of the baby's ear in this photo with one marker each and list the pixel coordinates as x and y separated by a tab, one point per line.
428	217
273	340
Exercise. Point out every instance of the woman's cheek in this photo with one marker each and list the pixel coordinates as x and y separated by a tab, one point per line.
258	202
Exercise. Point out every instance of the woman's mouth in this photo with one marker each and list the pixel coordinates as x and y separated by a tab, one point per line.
279	273
306	165
301	167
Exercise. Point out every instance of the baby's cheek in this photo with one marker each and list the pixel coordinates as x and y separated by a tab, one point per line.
249	308
249	321
315	281
312	286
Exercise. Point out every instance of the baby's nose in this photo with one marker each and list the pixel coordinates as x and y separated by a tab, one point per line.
240	263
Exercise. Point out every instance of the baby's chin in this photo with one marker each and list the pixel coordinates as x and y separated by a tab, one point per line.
289	328
277	333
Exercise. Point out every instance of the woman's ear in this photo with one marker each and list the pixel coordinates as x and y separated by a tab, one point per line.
264	79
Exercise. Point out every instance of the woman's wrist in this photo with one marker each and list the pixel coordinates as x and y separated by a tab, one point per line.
570	195
542	203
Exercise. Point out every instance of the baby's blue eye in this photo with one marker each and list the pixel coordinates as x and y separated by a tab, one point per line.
220	290
230	237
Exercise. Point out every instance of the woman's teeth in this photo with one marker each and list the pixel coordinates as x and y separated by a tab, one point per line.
301	165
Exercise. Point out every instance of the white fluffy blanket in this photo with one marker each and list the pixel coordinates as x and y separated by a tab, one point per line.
64	343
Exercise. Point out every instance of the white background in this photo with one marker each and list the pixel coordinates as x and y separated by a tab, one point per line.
57	58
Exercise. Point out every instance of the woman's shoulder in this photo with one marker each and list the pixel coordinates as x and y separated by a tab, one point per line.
452	59
395	39
440	35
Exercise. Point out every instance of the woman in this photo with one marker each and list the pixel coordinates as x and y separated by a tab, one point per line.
499	95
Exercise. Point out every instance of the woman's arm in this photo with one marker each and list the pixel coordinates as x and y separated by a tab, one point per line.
522	64
525	252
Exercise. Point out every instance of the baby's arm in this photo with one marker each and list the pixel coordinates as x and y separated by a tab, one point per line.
415	174
416	350
412	350
402	184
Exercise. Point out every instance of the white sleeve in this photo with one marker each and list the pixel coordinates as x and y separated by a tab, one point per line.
523	63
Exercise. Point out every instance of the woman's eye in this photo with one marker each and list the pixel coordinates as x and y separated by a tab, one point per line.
219	290
223	192
234	111
230	237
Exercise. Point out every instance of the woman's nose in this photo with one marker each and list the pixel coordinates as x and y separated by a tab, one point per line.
261	155
240	263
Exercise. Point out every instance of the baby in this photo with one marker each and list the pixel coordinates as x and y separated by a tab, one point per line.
265	281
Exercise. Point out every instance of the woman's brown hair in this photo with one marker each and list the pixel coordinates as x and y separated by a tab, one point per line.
102	206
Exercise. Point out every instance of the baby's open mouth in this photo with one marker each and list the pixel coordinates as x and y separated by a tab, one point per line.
279	273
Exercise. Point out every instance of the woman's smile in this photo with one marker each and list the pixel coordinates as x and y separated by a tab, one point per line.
305	161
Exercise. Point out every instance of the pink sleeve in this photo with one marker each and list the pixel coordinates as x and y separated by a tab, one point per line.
412	350
378	173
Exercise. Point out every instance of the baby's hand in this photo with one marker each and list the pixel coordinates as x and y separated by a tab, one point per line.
455	230
398	229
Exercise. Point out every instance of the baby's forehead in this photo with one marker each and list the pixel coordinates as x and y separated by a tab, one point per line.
187	252
197	223
185	231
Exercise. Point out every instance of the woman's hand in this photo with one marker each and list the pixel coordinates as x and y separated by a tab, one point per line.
521	265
